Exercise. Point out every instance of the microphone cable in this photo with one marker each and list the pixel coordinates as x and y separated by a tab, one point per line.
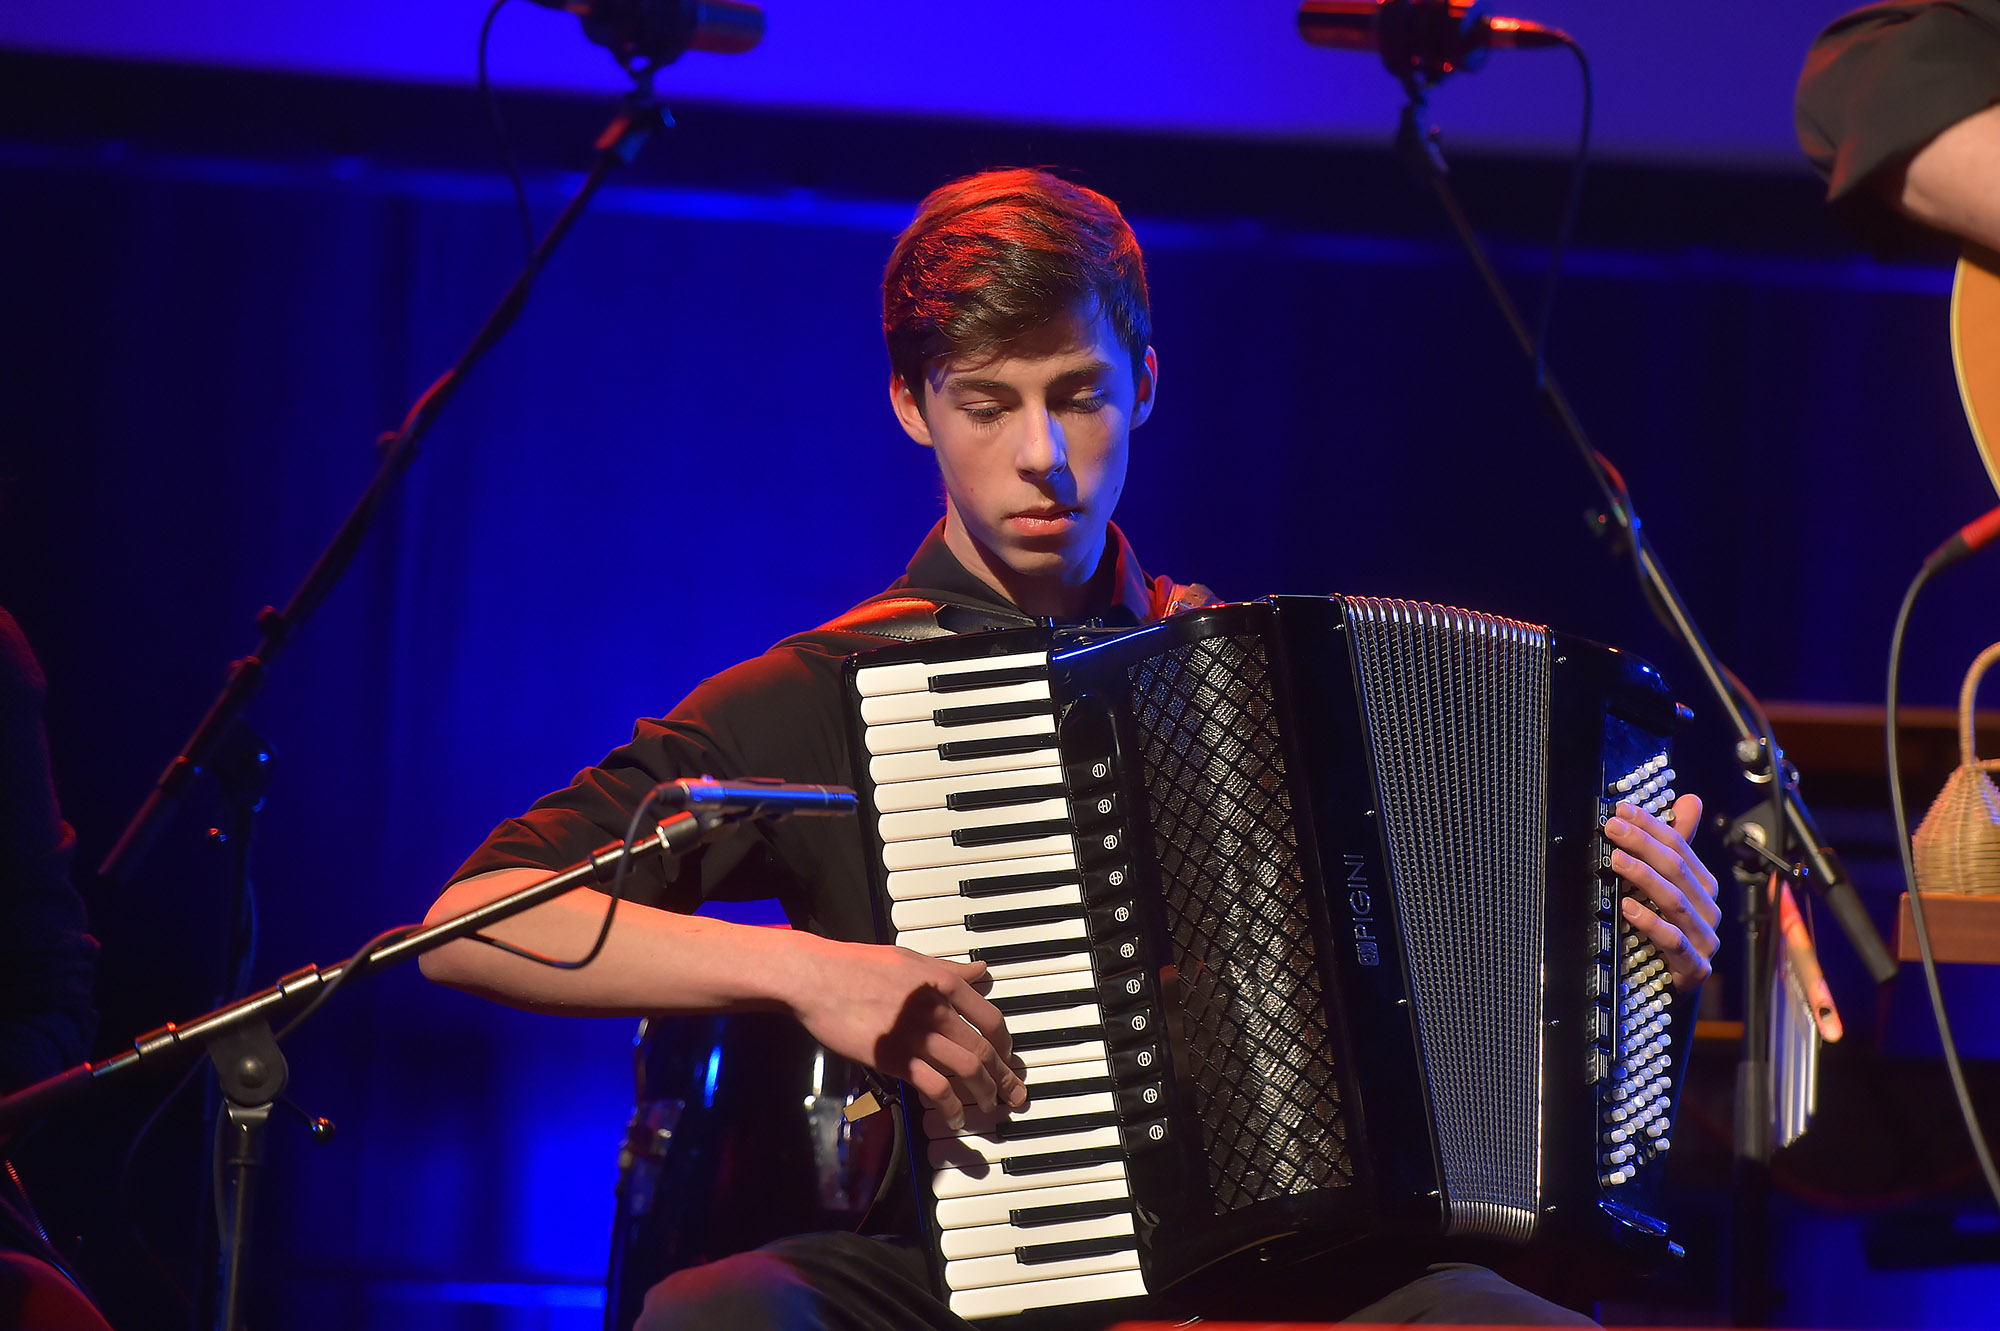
1946	555
499	128
1566	228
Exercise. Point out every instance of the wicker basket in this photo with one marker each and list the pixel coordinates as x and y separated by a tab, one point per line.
1957	846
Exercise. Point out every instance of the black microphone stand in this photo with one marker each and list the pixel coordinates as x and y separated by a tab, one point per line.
251	1068
1787	823
621	140
222	740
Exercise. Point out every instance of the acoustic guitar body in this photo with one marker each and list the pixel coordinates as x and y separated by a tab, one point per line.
1975	349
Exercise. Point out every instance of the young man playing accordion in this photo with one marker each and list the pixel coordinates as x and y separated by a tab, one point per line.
1016	316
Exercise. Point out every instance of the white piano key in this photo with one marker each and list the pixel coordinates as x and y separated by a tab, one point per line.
1047	1078
913	735
994	1208
954	941
915	676
900	796
992	1240
1009	1270
980	1122
1059	1055
1056	982
1012	1300
977	1179
919	824
929	912
1087	1015
937	852
890	708
1013	970
928	764
947	1152
907	884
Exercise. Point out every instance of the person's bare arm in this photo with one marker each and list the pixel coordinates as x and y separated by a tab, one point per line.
906	1015
1953	182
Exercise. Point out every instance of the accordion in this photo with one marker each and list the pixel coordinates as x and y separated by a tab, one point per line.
1302	920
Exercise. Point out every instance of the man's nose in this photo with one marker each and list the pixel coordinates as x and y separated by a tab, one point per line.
1043	451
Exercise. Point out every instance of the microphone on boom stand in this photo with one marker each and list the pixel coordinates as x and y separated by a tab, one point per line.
1430	37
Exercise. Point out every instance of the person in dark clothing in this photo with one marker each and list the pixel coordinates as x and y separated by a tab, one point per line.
1898	109
1019	338
48	964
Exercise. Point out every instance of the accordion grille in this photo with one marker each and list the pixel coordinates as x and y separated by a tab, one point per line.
1457	709
1251	1014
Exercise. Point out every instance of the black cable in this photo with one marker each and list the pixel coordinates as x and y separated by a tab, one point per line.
639	816
124	1187
1917	898
350	968
1567	227
499	128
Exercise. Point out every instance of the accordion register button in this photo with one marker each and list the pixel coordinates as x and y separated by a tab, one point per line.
1134	1062
1143	1136
1119	952
1112	916
1142	1100
1121	991
1134	1025
1106	881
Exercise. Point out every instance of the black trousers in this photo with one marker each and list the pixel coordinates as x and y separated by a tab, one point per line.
845	1282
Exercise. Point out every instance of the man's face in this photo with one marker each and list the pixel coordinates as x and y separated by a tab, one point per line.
1031	442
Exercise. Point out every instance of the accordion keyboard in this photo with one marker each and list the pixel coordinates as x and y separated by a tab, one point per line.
997	850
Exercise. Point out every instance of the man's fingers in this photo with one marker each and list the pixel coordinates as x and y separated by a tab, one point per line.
1685	962
1663	850
936	1092
966	1068
990	1025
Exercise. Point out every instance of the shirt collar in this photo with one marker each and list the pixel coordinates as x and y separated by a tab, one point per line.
1120	592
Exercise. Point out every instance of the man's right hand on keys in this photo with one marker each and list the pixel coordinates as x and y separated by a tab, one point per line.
909	1016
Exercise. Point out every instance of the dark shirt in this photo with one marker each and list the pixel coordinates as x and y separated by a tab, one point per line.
1880	83
778	715
47	961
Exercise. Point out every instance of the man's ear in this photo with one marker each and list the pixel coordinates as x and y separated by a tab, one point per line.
1147	390
909	412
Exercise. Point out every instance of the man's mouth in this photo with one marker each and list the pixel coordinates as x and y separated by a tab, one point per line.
1034	520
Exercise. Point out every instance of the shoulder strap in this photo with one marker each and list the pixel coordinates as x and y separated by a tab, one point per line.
914	618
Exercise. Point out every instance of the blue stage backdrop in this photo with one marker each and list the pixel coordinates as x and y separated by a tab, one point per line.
682	454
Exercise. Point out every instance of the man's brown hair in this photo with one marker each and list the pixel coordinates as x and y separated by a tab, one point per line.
994	258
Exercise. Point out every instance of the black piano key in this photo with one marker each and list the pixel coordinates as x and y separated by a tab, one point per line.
959	749
1039	950
1002	833
1016	882
980	713
1011	1131
987	920
967	801
1056	1161
1031	1217
967	680
1057	1037
1075	1249
1062	998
